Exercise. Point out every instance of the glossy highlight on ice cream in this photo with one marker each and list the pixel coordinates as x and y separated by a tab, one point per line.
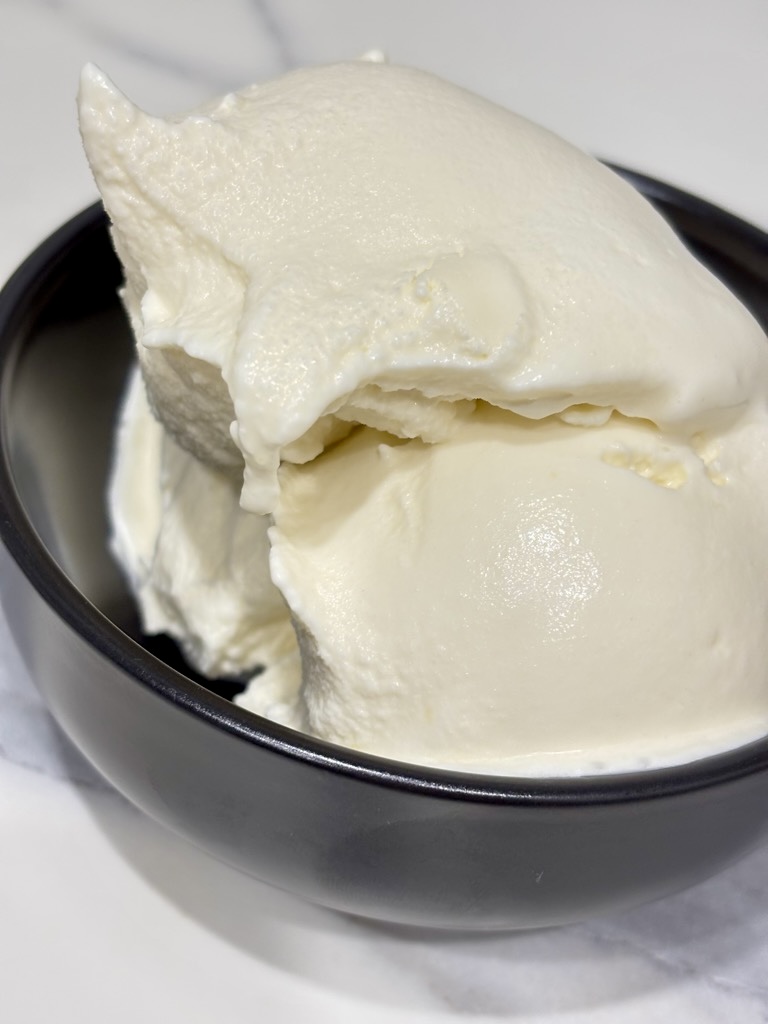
499	440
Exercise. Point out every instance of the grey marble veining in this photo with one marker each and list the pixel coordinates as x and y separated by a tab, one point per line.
271	20
201	65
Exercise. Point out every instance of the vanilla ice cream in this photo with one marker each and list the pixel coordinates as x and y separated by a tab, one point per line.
499	440
196	561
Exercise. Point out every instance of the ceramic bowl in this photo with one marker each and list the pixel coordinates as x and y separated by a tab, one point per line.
359	833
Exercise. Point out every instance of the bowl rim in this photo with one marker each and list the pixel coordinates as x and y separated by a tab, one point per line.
23	297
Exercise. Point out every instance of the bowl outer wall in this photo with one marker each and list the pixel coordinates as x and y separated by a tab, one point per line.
353	832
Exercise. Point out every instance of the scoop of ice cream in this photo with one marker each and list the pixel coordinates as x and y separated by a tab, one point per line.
367	243
197	563
530	596
512	435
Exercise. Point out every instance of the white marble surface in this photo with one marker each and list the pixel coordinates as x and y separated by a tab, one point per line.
104	916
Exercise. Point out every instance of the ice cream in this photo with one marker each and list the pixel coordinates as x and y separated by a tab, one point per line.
499	440
523	590
196	561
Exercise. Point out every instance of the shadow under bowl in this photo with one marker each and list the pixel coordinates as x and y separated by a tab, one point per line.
359	833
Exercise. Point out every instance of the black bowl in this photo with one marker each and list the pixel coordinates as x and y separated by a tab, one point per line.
356	832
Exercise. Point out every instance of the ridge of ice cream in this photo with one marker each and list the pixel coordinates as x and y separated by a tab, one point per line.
510	435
